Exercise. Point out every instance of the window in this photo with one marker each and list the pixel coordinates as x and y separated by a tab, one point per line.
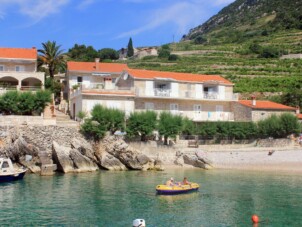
173	107
1	67
149	105
80	79
19	68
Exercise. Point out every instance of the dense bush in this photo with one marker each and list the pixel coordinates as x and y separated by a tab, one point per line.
108	53
164	51
169	125
200	40
103	119
227	130
24	103
173	57
279	126
141	123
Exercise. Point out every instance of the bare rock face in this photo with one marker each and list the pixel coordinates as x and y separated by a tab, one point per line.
61	156
127	155
83	147
198	160
82	163
20	148
110	162
71	160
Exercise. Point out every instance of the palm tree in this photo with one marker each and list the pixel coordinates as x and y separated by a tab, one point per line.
52	57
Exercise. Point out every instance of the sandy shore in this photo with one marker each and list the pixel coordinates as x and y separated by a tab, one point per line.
256	159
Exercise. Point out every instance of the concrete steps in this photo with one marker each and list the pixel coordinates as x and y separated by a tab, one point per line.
64	120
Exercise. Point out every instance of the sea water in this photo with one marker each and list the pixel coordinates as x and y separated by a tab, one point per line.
226	198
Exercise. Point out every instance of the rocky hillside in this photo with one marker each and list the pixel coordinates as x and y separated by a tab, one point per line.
251	18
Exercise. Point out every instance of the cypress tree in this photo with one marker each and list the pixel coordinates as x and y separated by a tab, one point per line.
130	51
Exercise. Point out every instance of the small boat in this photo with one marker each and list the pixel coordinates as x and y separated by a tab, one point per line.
8	172
176	189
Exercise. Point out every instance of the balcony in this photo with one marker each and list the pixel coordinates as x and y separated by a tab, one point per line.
100	89
162	92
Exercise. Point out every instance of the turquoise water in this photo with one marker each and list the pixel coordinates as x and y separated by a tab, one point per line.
226	198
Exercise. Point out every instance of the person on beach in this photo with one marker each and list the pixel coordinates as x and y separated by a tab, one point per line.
170	182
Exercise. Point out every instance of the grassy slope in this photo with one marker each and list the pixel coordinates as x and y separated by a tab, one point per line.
233	61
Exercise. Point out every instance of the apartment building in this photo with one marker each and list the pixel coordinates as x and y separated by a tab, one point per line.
198	97
91	83
18	70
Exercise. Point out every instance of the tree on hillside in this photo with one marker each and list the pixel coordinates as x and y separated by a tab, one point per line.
130	50
82	53
164	51
52	56
108	53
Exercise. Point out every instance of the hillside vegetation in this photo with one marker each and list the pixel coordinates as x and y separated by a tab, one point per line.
243	43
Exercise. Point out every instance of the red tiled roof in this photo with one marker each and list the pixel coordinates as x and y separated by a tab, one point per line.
260	104
299	116
187	77
91	67
20	53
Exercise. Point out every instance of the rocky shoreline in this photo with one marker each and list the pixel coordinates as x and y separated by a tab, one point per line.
46	149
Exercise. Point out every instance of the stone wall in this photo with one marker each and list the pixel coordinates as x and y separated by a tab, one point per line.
26	120
241	113
258	115
43	136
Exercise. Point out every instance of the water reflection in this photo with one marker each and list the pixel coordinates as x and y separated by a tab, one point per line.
188	197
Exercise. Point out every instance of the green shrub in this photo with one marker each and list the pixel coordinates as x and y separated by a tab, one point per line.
189	127
169	125
111	119
93	129
200	40
24	103
173	57
141	123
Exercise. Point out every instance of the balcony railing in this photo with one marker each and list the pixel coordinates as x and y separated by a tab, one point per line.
162	92
211	95
30	88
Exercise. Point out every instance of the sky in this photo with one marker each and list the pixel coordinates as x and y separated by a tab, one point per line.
101	23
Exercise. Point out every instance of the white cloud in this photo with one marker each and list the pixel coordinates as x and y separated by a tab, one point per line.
85	3
183	14
35	9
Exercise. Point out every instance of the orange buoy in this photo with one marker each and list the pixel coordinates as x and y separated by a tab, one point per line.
255	219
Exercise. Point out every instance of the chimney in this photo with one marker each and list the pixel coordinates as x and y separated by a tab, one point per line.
253	100
97	61
34	48
297	109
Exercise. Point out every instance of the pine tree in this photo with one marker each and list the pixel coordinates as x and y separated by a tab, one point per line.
130	51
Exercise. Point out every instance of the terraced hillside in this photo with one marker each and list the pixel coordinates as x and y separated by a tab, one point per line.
238	62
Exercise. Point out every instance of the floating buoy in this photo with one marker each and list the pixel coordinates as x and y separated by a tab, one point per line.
139	223
255	219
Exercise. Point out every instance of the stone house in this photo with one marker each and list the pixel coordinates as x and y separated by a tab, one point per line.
256	110
18	70
138	52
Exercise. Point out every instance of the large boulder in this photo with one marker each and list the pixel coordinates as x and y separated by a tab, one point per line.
83	147
110	162
19	148
61	156
127	155
193	161
82	163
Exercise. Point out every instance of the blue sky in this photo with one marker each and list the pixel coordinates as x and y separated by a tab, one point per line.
101	23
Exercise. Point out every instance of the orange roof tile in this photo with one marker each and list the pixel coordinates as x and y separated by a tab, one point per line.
91	67
299	116
20	53
186	77
260	104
